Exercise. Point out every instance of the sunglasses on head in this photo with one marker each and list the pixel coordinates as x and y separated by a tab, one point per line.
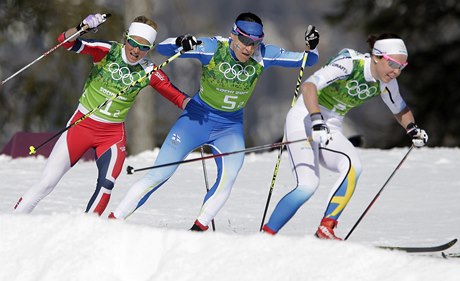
247	39
394	63
133	43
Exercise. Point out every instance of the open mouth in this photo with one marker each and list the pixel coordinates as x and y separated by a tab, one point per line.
245	54
390	76
134	56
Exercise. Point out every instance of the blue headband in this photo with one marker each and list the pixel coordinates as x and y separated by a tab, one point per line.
249	27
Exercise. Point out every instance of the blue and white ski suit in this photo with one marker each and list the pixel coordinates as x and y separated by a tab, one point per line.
213	117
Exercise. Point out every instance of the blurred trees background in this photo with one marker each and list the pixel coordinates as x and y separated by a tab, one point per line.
43	97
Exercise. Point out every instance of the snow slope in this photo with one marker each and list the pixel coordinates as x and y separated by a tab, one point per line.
418	207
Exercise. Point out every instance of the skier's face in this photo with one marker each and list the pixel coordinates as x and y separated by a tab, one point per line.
136	48
388	67
242	52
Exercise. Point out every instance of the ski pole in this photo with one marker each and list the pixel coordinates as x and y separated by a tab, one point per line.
130	170
78	33
280	151
33	150
378	193
205	172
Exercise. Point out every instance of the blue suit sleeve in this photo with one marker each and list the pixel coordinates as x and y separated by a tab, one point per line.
203	52
276	56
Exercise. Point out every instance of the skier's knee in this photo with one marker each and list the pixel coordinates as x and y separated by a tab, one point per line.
304	192
105	183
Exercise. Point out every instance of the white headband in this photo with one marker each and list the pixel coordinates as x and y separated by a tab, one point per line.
393	46
143	30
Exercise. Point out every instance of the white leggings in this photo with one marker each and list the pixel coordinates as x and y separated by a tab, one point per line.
338	155
57	165
107	139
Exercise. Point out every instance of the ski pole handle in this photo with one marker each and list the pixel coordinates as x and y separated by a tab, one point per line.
86	28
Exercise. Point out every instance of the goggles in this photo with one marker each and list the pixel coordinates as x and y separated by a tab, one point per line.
394	63
133	43
248	39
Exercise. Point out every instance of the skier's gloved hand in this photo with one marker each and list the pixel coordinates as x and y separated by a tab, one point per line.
311	37
187	42
92	21
419	136
319	130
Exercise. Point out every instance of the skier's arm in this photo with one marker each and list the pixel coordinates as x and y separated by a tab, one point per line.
202	52
276	56
96	49
405	117
393	99
160	82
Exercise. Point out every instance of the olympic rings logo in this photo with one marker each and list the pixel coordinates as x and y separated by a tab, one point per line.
237	71
123	74
362	91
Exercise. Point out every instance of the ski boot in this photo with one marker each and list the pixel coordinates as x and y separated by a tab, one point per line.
326	229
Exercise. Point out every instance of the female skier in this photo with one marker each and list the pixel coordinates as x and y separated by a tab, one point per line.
230	69
115	67
347	81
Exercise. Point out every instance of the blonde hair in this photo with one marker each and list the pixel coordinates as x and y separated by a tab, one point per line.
143	19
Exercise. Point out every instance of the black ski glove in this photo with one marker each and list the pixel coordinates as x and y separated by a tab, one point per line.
187	42
311	37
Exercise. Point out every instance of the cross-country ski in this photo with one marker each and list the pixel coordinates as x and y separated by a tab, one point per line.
450	255
422	249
